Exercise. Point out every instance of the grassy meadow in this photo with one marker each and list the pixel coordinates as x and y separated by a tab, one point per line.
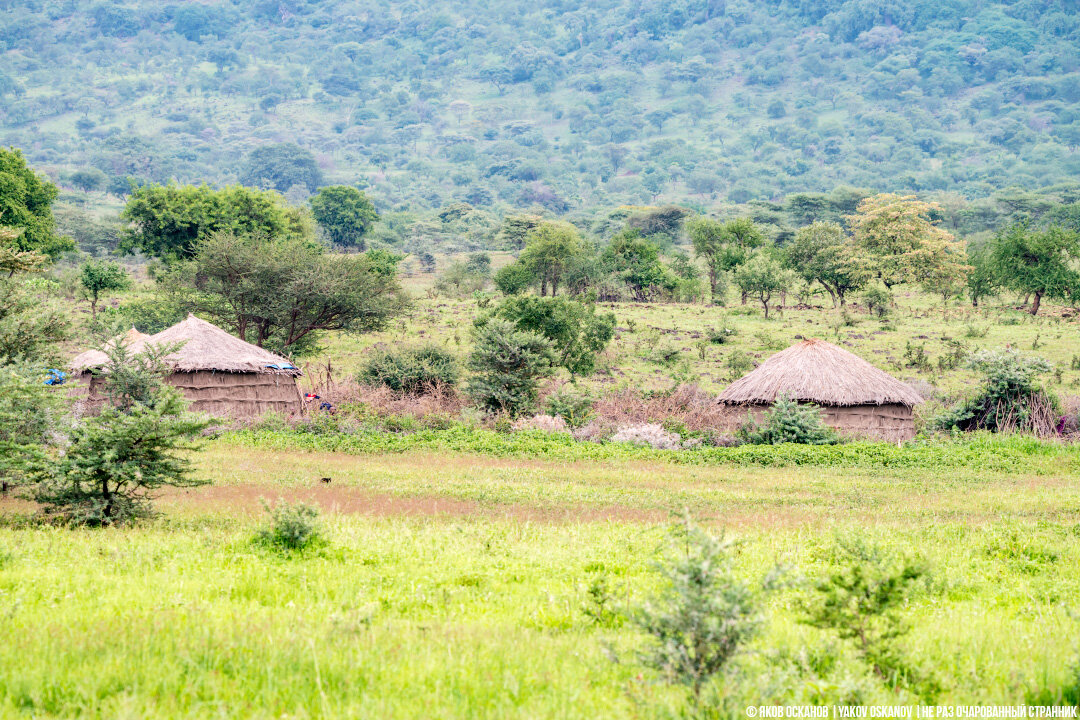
468	572
453	584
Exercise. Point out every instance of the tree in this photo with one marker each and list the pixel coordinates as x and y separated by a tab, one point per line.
345	213
901	240
139	443
98	276
1037	261
822	253
88	179
762	277
707	237
550	248
515	229
636	262
507	364
280	167
723	246
29	411
26	205
513	279
576	331
982	281
29	328
281	294
167	221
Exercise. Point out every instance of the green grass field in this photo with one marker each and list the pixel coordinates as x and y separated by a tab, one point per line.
454	584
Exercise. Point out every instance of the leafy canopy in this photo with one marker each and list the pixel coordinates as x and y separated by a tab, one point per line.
344	213
168	221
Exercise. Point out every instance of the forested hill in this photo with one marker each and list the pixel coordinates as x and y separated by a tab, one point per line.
503	103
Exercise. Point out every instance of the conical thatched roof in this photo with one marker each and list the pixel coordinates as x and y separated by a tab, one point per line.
208	347
819	372
96	358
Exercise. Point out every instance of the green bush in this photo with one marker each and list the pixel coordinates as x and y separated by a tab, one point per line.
1010	400
513	279
877	301
507	366
572	404
414	370
291	526
789	422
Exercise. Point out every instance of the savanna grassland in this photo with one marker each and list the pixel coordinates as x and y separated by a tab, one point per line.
452	584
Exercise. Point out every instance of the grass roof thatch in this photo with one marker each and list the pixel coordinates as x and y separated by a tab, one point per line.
91	359
819	372
205	347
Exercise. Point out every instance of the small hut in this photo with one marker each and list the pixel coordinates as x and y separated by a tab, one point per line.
89	396
855	397
220	374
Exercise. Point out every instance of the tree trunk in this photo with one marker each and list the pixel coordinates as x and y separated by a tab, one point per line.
108	498
765	304
744	297
93	308
1035	305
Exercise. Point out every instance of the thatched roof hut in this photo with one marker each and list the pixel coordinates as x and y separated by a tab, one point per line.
221	374
856	398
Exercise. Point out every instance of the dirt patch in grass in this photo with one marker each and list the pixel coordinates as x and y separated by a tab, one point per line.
248	500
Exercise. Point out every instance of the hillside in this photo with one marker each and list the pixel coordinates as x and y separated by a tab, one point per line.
509	103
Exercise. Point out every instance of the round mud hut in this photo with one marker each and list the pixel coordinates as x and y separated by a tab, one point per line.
856	398
220	374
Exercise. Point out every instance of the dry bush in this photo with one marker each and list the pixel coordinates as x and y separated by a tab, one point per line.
689	405
649	434
547	423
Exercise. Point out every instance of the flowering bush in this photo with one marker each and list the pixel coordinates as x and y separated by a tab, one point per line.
649	434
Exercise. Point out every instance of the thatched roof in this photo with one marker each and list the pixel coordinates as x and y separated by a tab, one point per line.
96	358
819	372
206	347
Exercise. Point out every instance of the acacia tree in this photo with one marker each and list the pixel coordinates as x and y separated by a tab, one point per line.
762	277
821	252
168	221
345	213
901	240
1039	262
550	249
724	246
281	294
98	276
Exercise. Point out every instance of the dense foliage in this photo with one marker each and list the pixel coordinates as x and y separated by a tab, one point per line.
552	104
418	369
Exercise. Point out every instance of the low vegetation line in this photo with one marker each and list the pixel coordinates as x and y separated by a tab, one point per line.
983	452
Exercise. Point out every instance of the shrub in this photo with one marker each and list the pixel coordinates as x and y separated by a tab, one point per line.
507	364
877	301
545	423
1010	400
649	434
787	421
860	602
414	370
572	404
513	279
291	526
719	336
703	616
576	331
738	362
